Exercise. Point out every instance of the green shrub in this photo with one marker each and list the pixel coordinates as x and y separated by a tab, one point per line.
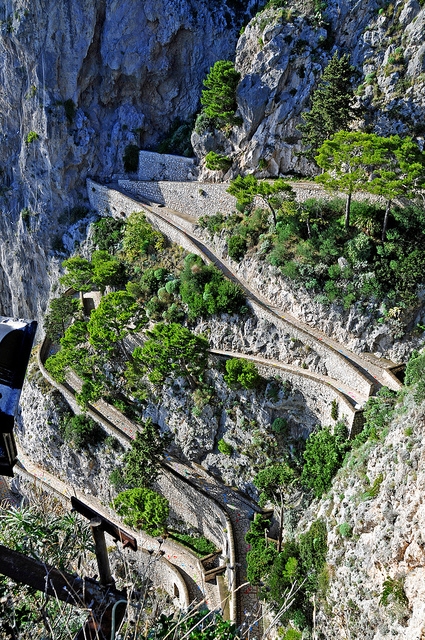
280	425
323	456
236	247
117	480
140	238
174	313
373	490
81	431
131	158
378	412
219	96
242	372
31	137
292	634
393	591
345	530
214	223
108	233
415	375
217	161
290	269
143	508
225	447
334	409
205	291
313	548
199	544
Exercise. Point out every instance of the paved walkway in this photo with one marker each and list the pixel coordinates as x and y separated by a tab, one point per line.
373	368
239	508
354	397
186	562
241	511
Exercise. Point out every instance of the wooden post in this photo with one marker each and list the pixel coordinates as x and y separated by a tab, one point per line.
102	558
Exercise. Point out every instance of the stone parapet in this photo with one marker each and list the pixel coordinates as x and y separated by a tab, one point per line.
163	166
194	198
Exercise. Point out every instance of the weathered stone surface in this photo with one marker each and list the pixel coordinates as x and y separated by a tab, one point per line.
387	538
281	56
88	77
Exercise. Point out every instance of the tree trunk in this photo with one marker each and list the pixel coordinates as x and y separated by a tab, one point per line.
308	227
270	207
384	226
347	211
279	543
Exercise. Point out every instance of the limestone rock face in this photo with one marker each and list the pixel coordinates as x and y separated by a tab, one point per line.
37	431
382	538
281	56
81	80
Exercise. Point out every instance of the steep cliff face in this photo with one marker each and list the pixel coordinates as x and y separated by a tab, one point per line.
81	80
376	557
282	54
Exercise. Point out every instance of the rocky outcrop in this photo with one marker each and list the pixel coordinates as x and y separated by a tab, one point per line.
282	54
81	80
390	333
377	535
38	433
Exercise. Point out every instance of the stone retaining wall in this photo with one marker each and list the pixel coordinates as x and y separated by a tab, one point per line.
163	166
318	395
206	198
193	198
335	363
205	514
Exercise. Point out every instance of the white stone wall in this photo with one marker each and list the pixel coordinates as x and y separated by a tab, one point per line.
162	166
206	199
193	198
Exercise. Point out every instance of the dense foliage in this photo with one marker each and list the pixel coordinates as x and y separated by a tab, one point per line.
63	540
323	456
172	350
217	161
194	625
218	99
415	375
81	431
159	285
241	372
142	461
143	508
331	105
311	247
61	312
290	576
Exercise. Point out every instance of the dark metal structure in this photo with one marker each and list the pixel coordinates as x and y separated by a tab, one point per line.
106	525
84	593
16	339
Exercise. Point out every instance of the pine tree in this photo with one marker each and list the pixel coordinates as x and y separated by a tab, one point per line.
219	96
331	105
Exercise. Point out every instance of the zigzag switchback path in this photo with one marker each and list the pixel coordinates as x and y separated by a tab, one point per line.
185	562
371	371
238	510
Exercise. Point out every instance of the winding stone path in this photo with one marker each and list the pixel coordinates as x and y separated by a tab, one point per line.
183	561
367	369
